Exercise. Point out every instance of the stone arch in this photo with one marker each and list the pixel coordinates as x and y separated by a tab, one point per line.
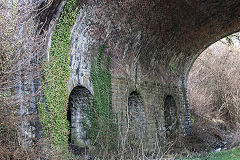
80	98
132	32
170	116
136	118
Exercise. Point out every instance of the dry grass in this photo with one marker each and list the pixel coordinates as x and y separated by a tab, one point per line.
213	86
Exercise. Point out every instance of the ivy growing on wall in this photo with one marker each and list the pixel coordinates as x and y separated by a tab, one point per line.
53	114
103	129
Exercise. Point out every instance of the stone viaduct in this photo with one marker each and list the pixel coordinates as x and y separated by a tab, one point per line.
152	44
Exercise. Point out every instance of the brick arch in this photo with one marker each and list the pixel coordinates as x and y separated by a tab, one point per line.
189	63
136	118
80	99
170	116
163	37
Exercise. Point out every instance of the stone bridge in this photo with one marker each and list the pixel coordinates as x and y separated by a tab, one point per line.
153	44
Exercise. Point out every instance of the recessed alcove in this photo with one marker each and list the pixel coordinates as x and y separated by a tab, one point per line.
80	100
170	116
136	118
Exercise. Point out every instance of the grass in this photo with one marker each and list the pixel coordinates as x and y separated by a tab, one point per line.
232	154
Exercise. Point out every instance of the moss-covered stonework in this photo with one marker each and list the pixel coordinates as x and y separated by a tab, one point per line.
53	114
152	43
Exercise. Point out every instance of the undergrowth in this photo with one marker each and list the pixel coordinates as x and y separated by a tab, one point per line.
20	52
214	100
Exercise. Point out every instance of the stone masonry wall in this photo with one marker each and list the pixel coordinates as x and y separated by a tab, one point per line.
153	38
136	118
153	96
134	67
80	100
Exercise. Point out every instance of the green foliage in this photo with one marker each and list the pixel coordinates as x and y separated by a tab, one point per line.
232	154
53	115
103	129
173	67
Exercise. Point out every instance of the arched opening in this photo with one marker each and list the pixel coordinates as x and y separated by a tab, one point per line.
213	87
136	118
170	116
80	100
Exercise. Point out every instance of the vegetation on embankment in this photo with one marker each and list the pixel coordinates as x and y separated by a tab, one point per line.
213	86
20	54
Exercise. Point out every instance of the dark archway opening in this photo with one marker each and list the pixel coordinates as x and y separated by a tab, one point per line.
80	100
136	119
170	116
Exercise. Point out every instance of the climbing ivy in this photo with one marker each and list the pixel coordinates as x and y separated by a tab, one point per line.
53	114
103	129
173	67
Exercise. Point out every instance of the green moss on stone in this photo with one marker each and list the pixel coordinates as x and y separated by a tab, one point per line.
53	115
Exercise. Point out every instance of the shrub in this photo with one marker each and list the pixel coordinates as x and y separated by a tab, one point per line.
213	86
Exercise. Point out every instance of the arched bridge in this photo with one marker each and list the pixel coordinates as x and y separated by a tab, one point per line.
152	44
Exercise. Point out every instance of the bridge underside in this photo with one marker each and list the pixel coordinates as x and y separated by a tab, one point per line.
152	44
163	35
